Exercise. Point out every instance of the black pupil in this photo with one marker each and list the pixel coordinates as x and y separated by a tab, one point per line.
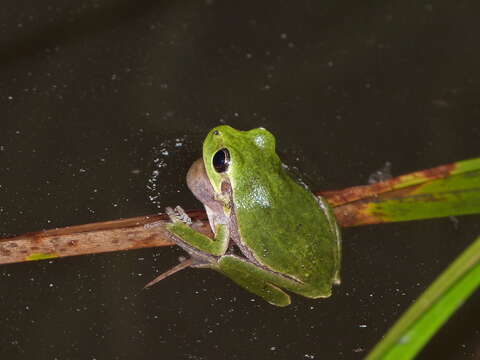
221	160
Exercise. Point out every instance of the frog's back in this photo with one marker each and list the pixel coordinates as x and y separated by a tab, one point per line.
287	228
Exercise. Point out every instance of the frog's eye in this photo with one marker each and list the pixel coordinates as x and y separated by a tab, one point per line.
221	160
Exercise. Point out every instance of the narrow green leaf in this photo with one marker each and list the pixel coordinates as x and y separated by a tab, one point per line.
454	195
450	170
432	309
448	190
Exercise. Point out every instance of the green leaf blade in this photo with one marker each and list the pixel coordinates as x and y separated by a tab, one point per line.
420	322
447	190
458	195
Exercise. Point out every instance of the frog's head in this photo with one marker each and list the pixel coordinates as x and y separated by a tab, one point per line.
230	154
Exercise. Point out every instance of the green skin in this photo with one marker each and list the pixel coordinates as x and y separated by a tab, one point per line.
288	238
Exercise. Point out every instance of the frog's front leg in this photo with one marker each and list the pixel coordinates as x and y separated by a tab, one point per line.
194	241
266	283
203	250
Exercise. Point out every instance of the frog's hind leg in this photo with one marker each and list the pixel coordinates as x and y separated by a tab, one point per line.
265	283
245	275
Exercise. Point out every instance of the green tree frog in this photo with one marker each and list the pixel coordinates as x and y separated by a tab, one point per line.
271	233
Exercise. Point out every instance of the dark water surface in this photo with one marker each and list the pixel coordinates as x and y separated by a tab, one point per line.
92	92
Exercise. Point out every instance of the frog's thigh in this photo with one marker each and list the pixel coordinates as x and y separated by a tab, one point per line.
231	264
199	241
249	277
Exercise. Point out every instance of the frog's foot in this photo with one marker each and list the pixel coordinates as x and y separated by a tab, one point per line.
178	215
